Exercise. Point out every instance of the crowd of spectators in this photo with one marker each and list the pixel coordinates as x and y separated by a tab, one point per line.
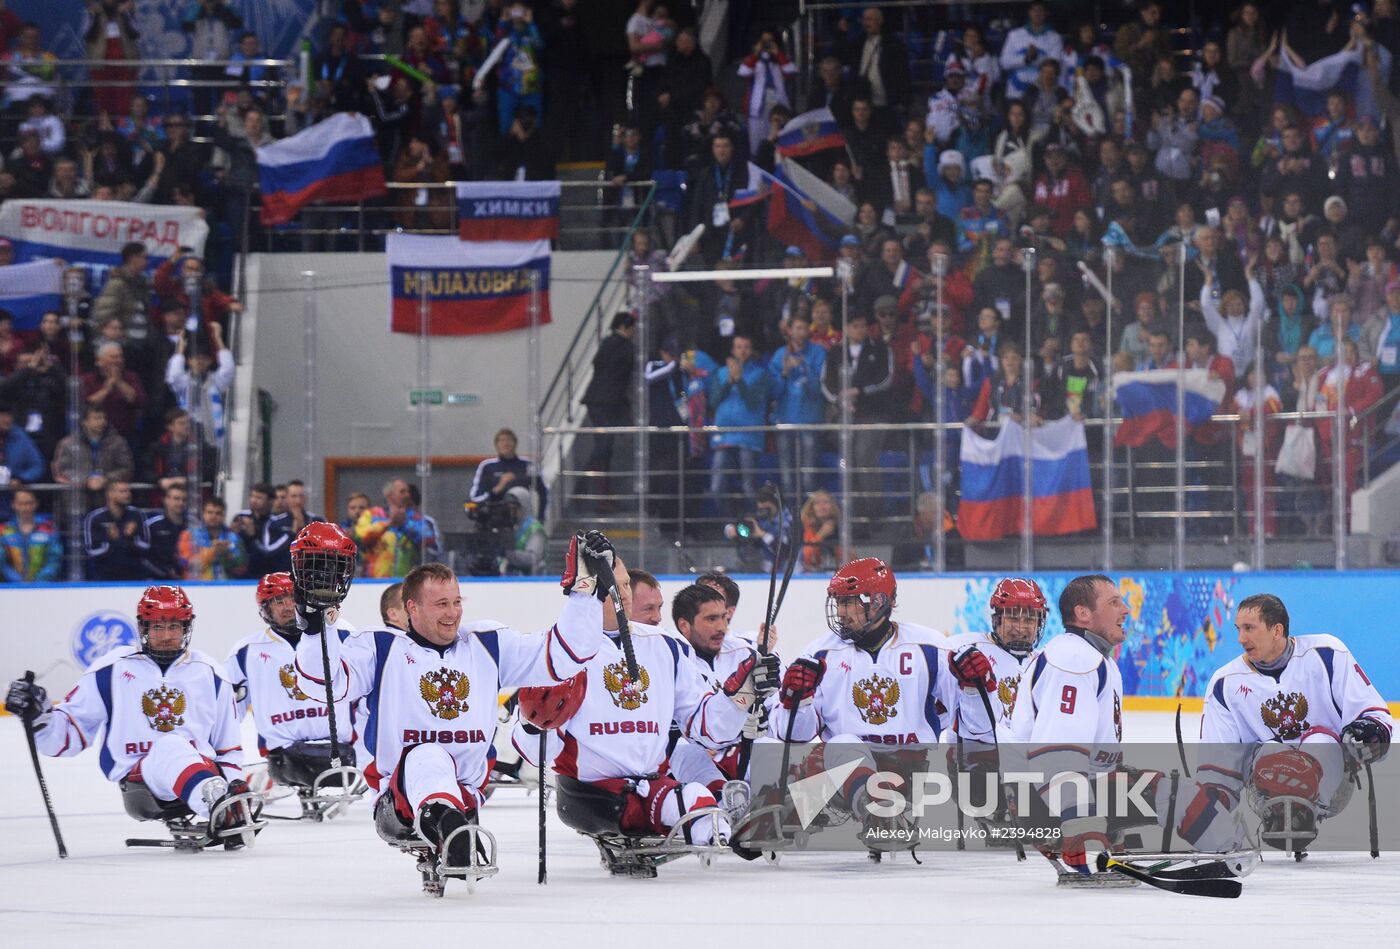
1151	136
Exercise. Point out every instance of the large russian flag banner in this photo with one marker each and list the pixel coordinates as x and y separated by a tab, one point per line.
28	291
810	132
470	287
793	217
508	210
334	160
993	480
1147	404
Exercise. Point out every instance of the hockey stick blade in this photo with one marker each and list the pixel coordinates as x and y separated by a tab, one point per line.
1215	870
1218	889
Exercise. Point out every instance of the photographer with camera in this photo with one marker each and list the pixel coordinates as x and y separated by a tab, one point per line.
756	534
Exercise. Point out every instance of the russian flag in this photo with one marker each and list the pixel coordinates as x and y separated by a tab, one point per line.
508	210
810	132
334	160
28	291
471	287
1147	404
793	217
993	478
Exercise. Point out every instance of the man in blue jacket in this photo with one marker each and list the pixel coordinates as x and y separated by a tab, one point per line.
20	460
739	396
795	385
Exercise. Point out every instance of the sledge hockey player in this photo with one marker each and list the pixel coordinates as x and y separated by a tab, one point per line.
163	715
613	783
700	614
1018	613
1298	716
433	688
873	680
1068	707
293	727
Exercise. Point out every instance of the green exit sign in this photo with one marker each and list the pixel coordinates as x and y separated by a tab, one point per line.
428	396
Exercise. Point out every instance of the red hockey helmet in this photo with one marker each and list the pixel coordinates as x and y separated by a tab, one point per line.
164	604
870	581
549	706
1019	611
272	587
323	562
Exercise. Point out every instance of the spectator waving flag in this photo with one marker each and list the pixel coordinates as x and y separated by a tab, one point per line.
793	217
1305	87
28	291
993	476
471	287
334	160
810	132
508	210
1147	404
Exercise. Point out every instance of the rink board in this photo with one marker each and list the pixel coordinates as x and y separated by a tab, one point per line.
1181	624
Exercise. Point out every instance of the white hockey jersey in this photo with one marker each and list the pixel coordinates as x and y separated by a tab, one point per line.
902	695
1068	707
622	728
263	669
128	699
1319	692
970	718
418	693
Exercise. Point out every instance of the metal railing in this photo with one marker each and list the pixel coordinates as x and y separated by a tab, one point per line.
891	492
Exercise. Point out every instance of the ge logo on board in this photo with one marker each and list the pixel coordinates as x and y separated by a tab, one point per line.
99	633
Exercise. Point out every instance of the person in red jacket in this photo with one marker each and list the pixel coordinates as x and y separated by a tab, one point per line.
169	285
1362	387
1062	189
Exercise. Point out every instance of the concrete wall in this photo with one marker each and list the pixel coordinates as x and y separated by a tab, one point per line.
365	372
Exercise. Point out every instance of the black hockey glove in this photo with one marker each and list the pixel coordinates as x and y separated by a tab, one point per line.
29	702
589	565
1366	740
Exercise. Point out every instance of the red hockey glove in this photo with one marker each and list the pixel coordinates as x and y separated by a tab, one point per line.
970	666
800	683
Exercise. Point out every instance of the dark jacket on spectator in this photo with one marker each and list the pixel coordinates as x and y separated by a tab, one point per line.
872	373
120	557
613	365
44	391
688	78
163	558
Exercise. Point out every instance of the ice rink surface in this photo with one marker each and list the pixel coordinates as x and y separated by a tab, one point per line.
310	885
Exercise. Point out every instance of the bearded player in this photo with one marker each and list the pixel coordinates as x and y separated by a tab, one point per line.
432	689
293	727
162	716
1289	720
612	758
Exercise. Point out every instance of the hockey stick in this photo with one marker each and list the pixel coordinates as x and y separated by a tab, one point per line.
996	744
1219	889
793	548
330	693
1370	809
53	818
1181	745
777	552
544	750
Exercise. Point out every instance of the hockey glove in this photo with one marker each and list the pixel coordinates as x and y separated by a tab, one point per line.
970	666
588	568
310	620
30	702
800	683
1366	740
754	680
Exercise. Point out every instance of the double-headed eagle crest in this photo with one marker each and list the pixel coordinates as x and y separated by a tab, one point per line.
164	708
1286	715
626	693
875	698
445	691
288	677
1007	687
